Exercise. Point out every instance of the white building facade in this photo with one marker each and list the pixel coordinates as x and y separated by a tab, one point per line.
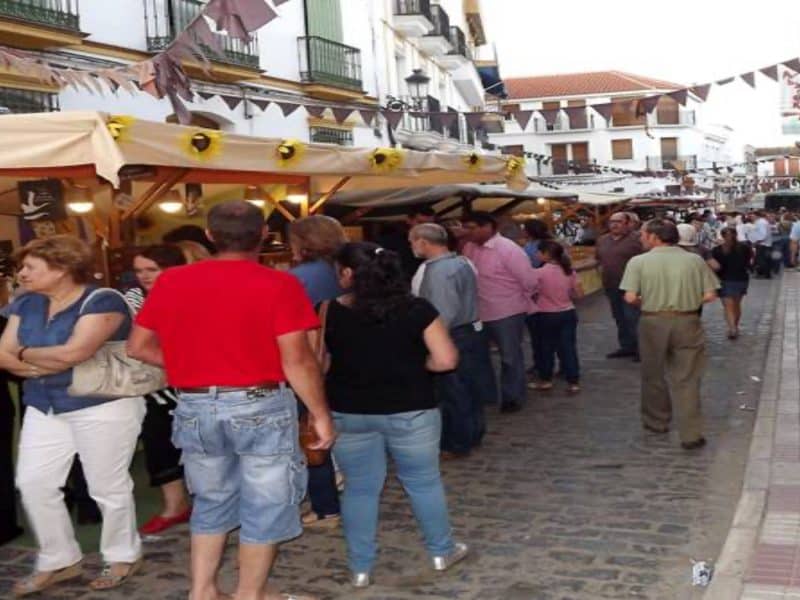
671	137
340	53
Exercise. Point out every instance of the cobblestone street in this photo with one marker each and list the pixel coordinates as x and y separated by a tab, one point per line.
569	499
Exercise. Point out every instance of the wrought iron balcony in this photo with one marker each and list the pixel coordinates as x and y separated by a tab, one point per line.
582	121
165	19
459	42
413	17
15	100
416	119
328	135
329	62
670	163
441	22
61	14
437	41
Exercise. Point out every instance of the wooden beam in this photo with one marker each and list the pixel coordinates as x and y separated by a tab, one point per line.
154	192
509	206
447	209
279	207
327	195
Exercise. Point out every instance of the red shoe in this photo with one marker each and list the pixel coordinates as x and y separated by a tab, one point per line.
158	523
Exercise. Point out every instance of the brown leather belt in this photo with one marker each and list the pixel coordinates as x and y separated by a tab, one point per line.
669	313
222	389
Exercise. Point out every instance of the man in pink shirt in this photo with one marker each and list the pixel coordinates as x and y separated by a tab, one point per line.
506	283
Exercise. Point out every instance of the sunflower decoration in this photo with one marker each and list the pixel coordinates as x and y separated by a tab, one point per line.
289	152
514	166
385	160
473	161
202	144
119	127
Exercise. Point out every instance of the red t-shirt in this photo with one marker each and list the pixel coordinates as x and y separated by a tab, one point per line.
218	321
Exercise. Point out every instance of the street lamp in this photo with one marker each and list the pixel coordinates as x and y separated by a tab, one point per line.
417	87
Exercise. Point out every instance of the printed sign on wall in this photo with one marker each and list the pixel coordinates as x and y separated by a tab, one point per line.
790	102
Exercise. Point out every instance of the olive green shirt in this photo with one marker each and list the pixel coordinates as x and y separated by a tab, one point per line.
669	278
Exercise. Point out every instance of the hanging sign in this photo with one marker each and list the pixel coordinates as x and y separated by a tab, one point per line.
790	103
42	199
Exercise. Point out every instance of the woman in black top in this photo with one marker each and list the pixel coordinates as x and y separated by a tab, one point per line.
731	260
383	345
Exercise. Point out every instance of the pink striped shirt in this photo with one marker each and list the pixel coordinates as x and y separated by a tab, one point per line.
555	290
506	280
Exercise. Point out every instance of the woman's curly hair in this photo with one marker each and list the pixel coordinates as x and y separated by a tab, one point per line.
380	288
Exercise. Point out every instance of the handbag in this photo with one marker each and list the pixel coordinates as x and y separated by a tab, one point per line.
308	435
111	373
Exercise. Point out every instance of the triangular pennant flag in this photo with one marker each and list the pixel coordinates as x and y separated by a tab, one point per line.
550	115
604	110
392	117
648	104
287	108
447	118
239	17
341	114
701	91
232	101
205	95
473	119
576	116
725	81
771	72
679	96
316	111
749	79
368	116
793	64
523	117
203	34
262	104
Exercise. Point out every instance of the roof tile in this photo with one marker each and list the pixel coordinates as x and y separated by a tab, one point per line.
575	84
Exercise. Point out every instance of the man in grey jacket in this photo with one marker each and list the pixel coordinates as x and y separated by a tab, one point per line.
449	282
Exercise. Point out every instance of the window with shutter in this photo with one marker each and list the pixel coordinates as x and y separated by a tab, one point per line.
622	149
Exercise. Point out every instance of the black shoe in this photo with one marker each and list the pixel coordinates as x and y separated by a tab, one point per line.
698	443
510	407
652	429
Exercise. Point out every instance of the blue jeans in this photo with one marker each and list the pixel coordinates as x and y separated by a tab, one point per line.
558	332
412	440
463	393
627	318
242	463
507	334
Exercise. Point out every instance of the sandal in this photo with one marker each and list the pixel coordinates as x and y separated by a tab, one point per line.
109	579
312	519
41	580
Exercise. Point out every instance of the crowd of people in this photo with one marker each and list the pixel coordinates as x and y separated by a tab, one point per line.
386	347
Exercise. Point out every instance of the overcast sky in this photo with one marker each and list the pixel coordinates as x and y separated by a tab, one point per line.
685	41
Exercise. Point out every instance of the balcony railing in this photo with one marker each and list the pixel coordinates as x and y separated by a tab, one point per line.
454	130
459	42
418	123
441	22
686	118
61	14
669	163
329	62
27	101
564	123
413	7
327	135
165	19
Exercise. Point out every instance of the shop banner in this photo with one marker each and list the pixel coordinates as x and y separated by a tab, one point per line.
790	103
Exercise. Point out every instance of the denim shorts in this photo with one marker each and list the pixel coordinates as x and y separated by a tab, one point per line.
242	463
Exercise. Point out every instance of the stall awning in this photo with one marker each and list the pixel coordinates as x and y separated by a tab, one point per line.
492	82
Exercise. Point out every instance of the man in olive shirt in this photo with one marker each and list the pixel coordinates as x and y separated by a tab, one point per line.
613	251
670	285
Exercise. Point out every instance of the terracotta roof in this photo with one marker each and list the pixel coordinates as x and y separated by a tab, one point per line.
575	84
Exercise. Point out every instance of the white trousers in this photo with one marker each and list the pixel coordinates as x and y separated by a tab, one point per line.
104	437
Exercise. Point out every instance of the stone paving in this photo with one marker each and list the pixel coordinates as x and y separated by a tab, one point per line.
567	500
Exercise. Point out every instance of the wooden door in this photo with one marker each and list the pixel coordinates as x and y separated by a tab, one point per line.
577	118
580	153
559	154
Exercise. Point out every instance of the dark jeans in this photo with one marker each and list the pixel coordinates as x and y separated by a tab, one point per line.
463	393
558	333
162	459
322	490
763	261
507	334
530	322
9	529
627	319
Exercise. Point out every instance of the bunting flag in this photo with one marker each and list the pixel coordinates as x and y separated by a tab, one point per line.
448	118
771	72
262	104
726	81
523	117
793	64
647	105
206	95
232	101
680	96
604	110
749	79
340	114
287	108
239	17
392	117
701	91
368	116
315	111
550	115
474	119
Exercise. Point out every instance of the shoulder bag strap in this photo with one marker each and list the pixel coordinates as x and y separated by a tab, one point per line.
101	290
323	320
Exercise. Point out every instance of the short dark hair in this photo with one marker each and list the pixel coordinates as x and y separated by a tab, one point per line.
236	226
480	218
164	255
537	229
188	233
664	229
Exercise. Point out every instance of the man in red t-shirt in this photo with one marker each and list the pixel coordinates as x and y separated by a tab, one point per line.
232	336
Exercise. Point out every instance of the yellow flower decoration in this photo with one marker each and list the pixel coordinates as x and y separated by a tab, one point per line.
290	151
473	161
514	165
202	144
385	160
118	126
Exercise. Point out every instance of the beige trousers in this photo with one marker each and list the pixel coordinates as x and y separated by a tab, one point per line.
673	356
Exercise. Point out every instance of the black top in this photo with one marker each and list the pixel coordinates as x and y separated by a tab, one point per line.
379	368
733	265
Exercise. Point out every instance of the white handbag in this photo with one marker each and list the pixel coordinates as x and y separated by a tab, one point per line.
111	373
